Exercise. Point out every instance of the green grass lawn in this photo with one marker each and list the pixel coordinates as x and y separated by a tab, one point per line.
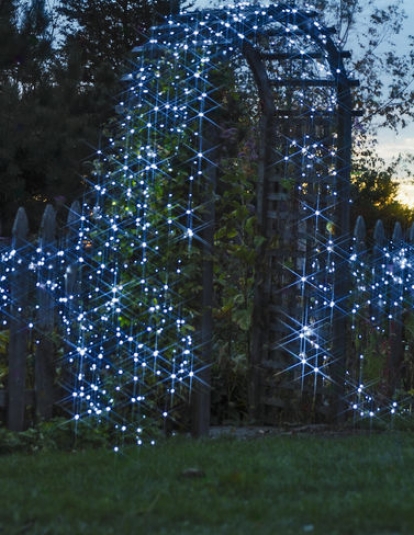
276	485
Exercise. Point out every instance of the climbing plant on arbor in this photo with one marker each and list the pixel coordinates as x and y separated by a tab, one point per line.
144	341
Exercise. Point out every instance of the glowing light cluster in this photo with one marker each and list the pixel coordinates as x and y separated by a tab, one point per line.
131	351
134	332
382	300
128	296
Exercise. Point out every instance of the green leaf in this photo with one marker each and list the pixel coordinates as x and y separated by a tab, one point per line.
243	319
4	341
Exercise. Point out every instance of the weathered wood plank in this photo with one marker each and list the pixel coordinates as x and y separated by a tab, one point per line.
396	317
72	277
18	324
29	398
45	348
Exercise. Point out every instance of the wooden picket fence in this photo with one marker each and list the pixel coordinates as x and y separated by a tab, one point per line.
33	275
37	277
382	311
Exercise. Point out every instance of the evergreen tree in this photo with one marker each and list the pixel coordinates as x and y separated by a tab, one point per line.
9	38
57	95
25	56
98	38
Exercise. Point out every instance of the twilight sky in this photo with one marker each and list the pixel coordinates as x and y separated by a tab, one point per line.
389	143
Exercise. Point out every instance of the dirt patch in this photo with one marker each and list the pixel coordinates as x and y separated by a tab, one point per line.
251	431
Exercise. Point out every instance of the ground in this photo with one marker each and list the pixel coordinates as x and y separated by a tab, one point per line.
252	431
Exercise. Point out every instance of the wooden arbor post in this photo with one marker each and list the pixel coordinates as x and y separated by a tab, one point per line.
260	338
201	396
342	229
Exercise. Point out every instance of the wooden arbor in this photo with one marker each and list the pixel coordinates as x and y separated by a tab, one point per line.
298	345
299	353
298	349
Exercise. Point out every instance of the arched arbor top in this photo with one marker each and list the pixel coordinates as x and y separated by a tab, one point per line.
280	32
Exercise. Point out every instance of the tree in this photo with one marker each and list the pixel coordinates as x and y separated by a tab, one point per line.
98	38
383	98
383	69
9	38
95	52
57	95
27	51
374	196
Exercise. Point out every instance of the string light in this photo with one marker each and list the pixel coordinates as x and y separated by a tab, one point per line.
131	352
